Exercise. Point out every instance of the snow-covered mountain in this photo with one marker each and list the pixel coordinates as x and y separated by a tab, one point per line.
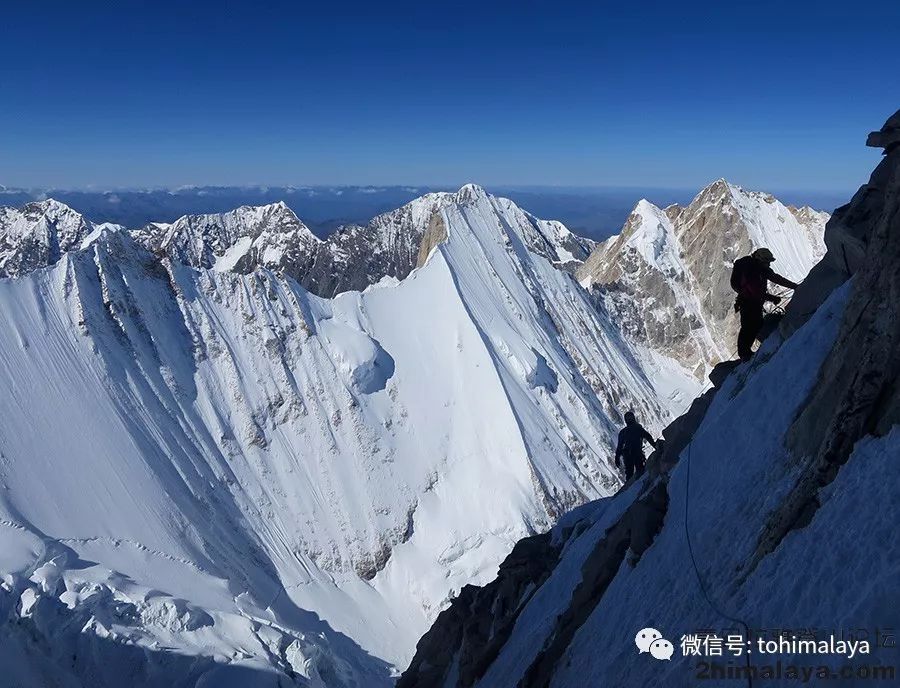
241	240
665	277
771	511
38	235
351	258
199	457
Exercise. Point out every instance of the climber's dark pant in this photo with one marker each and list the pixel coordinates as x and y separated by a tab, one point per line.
634	465
751	323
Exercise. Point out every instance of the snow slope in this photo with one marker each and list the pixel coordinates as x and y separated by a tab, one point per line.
226	467
665	277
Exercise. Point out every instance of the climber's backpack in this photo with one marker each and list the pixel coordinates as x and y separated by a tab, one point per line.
738	273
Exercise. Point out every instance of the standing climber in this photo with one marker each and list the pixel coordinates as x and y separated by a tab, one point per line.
631	446
750	279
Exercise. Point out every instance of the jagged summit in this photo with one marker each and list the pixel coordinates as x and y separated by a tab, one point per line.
679	261
273	237
37	235
720	186
269	236
470	192
888	137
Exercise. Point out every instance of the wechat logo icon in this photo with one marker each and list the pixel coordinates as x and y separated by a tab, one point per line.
650	640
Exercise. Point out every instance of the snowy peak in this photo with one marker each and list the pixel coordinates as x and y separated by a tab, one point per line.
644	282
271	236
651	233
754	219
268	236
470	193
37	235
679	261
396	242
550	239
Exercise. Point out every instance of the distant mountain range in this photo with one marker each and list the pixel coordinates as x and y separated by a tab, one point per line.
596	213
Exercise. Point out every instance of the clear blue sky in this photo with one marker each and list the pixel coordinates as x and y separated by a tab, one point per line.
769	95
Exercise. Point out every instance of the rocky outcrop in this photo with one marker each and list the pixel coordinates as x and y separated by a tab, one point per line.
888	137
848	234
434	235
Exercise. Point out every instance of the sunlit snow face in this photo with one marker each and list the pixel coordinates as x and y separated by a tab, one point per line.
645	638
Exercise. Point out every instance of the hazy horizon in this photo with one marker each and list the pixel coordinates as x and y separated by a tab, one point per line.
595	212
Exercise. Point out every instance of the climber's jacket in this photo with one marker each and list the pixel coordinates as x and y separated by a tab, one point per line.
750	279
631	441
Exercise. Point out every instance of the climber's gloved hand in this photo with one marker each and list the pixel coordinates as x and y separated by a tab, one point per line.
774	299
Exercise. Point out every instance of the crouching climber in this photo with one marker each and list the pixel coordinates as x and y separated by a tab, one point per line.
631	446
750	279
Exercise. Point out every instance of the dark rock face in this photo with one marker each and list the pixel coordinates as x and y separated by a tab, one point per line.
888	137
857	390
480	620
848	236
467	637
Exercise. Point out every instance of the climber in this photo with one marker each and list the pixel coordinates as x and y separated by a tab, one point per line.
631	446
750	279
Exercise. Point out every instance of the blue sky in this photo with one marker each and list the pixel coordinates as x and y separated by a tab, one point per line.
768	95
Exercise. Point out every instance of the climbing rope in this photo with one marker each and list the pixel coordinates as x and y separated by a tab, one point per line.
776	308
709	601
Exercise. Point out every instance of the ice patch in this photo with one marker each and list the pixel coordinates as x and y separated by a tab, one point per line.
228	260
